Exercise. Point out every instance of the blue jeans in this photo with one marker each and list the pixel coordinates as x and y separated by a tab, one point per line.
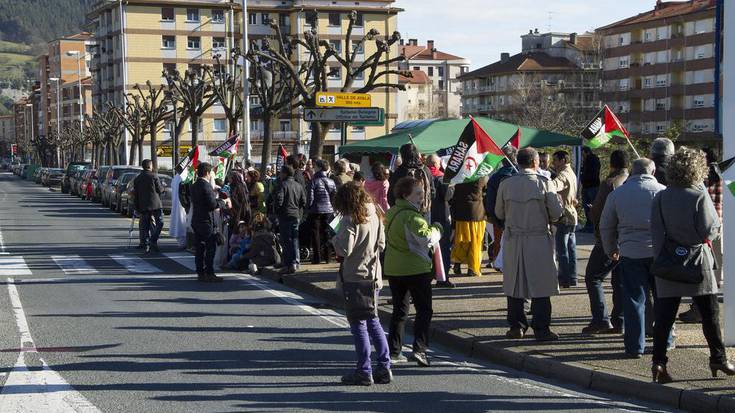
588	196
365	333
289	230
151	224
566	254
638	291
599	267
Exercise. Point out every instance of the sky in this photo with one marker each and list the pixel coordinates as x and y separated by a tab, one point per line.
481	29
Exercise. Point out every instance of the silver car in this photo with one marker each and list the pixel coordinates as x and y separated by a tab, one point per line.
113	174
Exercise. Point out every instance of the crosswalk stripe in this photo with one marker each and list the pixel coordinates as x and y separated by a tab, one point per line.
183	259
13	266
136	265
73	265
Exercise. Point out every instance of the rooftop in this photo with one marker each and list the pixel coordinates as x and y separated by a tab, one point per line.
414	51
663	10
418	77
523	62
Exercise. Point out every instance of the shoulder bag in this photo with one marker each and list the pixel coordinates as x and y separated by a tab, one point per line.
677	262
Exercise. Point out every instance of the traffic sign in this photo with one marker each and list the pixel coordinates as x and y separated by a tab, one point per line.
14	149
348	115
168	150
344	100
379	122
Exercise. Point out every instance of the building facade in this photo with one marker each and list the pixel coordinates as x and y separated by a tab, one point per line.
659	70
417	101
7	133
443	69
562	68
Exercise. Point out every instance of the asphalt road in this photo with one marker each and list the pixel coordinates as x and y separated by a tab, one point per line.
87	325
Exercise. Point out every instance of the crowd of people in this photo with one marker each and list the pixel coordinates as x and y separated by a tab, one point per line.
656	224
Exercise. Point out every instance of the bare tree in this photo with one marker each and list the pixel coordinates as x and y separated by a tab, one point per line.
133	121
194	96
312	76
227	88
155	112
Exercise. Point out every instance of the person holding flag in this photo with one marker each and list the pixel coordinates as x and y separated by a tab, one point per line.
565	184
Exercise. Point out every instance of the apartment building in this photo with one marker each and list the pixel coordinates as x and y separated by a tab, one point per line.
61	69
7	133
443	69
331	20
417	101
659	70
137	40
563	66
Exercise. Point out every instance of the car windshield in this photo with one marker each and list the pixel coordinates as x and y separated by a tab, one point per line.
165	180
77	168
128	177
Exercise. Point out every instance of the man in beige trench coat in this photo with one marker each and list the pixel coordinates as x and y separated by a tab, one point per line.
530	269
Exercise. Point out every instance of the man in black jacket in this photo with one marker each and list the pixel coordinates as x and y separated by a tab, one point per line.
147	189
589	177
289	202
204	202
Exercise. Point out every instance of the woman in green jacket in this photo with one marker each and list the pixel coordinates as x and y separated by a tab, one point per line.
408	267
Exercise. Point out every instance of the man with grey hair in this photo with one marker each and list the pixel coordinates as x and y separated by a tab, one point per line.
341	172
662	149
625	229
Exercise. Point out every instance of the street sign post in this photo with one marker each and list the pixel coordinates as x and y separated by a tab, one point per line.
343	100
349	115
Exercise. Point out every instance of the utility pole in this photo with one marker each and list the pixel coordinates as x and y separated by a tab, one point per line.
245	82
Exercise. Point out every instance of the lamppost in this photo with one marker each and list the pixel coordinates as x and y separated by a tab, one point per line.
79	57
245	81
30	105
58	116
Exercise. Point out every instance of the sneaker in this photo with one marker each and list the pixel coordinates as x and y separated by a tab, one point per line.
546	336
597	328
291	269
691	316
252	268
420	358
398	358
357	379
457	269
515	333
444	284
212	278
382	376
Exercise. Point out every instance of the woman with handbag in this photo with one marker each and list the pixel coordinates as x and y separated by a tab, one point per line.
359	241
683	224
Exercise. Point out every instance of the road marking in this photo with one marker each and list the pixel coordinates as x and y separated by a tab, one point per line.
72	279
2	244
136	265
33	390
13	266
73	265
184	259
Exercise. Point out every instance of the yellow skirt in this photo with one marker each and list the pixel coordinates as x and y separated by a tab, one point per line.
467	248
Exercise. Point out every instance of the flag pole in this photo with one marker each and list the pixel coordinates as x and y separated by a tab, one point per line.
632	147
515	168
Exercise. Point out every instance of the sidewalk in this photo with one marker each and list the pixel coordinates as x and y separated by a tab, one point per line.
471	320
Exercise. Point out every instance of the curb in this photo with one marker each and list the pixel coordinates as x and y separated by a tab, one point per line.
545	366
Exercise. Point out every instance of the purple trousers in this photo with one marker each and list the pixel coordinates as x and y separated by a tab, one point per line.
365	332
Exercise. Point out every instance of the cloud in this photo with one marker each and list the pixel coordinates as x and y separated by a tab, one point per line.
481	29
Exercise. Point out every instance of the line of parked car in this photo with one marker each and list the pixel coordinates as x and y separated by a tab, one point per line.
111	186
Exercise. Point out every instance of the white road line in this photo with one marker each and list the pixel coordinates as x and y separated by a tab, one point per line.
13	266
136	265
181	258
62	280
2	244
73	265
32	390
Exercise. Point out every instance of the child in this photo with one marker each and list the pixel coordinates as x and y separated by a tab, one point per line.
242	233
239	249
264	248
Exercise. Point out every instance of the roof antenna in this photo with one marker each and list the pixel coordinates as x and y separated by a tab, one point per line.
551	18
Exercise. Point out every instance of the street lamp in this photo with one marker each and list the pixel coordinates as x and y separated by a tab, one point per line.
30	105
58	116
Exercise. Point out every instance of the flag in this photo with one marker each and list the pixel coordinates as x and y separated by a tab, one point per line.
723	167
189	165
281	158
475	156
515	141
220	169
228	148
603	128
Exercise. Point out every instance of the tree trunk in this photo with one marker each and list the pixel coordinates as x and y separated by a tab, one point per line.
317	138
268	120
194	131
154	147
139	161
133	151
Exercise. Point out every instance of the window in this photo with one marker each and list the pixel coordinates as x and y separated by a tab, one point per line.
195	68
359	76
699	101
440	71
623	84
660	128
283	20
194	43
265	19
699	127
192	15
621	40
252	18
699	52
219	125
169	68
335	19
661	105
441	85
358	48
218	16
648	36
623	62
661	82
431	71
168	42
167	14
360	20
218	43
335	74
255	100
336	45
648	82
312	18
416	68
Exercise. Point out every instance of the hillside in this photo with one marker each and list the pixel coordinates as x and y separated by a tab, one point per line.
34	22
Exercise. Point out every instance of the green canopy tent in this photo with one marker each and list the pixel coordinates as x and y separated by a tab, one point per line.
433	135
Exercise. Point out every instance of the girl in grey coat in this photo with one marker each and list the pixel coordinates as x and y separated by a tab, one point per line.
684	213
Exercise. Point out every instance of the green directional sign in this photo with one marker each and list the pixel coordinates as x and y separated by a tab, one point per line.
379	122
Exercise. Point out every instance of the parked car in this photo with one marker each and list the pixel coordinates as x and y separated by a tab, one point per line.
85	190
74	182
117	190
72	168
99	179
24	171
113	174
38	174
128	196
54	177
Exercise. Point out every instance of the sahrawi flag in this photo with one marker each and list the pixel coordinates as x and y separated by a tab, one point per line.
603	128
723	167
228	148
475	156
189	165
281	158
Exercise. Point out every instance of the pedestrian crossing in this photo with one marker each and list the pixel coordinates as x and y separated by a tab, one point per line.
114	264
